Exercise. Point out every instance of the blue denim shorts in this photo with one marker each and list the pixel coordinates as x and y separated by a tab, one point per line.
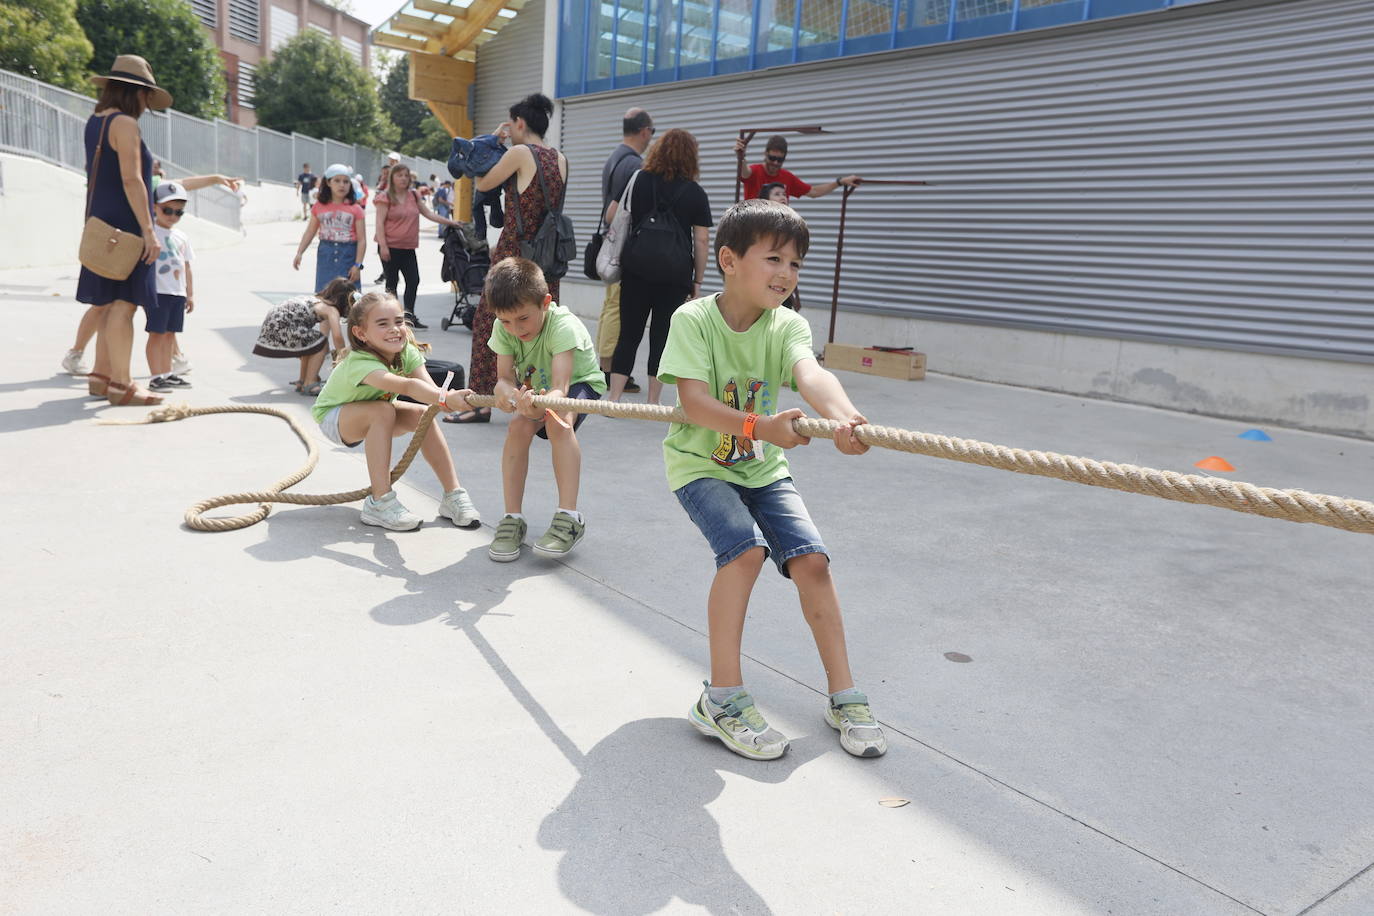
736	519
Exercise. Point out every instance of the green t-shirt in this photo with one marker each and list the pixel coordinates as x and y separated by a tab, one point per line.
745	370
345	383
562	331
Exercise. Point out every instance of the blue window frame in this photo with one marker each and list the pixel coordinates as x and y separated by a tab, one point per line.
616	44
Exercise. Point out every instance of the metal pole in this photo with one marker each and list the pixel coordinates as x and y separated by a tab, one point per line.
839	253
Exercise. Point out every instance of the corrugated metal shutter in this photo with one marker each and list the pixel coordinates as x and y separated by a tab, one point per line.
1196	176
284	25
509	67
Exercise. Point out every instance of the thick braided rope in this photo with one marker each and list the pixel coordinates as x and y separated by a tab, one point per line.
1289	505
195	517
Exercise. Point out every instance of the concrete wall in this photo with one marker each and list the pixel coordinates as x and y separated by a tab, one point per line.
43	207
1315	394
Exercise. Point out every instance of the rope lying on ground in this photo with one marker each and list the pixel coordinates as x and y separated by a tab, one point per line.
195	517
1289	505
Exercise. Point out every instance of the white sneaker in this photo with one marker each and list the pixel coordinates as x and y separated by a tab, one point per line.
180	363
74	363
388	512
738	724
860	733
457	506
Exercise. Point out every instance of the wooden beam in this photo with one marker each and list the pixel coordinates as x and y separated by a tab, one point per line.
399	43
434	78
463	31
402	22
441	8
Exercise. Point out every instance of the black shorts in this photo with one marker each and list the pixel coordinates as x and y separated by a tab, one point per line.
581	391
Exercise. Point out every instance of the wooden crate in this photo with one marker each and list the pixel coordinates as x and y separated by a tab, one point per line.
907	364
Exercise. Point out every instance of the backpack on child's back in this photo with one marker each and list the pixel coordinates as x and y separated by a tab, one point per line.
659	247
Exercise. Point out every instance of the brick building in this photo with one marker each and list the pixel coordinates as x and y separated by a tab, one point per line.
247	31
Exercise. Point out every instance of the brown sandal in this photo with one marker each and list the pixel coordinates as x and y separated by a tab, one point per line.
96	384
132	396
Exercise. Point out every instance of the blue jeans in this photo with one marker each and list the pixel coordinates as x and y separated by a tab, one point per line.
334	259
736	519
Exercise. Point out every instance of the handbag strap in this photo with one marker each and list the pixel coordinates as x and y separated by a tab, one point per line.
95	164
601	220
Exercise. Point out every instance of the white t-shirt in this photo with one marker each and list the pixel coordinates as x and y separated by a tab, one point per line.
172	261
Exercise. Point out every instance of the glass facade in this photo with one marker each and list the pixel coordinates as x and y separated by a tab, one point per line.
615	44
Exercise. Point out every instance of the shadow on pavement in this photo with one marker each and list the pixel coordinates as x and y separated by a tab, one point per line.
636	830
71	405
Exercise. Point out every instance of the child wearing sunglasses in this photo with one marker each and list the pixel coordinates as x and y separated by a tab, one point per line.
166	319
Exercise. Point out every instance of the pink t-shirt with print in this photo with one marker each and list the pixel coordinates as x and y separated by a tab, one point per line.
338	222
402	220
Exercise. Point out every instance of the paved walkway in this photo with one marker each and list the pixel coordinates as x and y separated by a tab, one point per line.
1165	708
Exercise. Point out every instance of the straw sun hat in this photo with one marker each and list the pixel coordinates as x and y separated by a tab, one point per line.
130	68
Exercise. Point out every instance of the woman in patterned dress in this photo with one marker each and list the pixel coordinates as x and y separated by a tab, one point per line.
516	170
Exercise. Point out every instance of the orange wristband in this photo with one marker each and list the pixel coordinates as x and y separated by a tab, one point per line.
750	419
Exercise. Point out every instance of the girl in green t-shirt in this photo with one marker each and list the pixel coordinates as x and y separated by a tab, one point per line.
358	407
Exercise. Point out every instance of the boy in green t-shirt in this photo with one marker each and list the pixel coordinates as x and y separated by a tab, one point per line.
541	348
730	355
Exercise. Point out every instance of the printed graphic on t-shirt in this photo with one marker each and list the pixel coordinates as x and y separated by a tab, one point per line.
170	261
732	449
527	378
336	225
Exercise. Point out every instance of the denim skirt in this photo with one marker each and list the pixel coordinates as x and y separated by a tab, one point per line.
334	259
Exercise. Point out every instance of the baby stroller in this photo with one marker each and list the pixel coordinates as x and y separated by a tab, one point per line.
466	262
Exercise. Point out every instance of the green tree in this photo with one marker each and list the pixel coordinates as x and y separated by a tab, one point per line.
167	35
43	40
406	113
434	141
313	86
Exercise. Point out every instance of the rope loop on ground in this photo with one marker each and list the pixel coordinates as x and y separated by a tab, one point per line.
1288	505
195	516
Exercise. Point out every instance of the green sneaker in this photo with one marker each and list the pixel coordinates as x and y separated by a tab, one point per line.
738	724
860	733
563	534
510	537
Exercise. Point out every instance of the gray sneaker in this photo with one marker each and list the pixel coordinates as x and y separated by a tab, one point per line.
510	537
563	534
860	733
388	512
738	724
457	506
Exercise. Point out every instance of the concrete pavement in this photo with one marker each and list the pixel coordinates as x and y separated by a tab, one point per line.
1166	708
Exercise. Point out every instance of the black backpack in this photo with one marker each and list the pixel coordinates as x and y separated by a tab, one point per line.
554	245
659	248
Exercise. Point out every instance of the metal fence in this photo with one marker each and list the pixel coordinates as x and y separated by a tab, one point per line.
48	122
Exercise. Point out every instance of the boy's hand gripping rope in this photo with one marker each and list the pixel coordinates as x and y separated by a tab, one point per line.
1289	505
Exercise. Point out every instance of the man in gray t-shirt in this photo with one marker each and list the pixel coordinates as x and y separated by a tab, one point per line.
638	129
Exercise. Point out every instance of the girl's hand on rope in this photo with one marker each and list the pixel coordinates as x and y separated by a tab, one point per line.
778	429
457	400
845	440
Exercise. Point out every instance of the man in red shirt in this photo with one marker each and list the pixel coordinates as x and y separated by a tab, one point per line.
757	175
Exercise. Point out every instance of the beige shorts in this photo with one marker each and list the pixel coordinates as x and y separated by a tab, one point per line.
608	327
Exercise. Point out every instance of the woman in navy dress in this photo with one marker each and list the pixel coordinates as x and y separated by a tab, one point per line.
121	194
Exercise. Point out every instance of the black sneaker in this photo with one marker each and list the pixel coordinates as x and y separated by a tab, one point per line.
175	381
416	323
631	386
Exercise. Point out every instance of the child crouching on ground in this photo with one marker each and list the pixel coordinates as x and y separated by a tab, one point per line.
730	354
541	348
358	407
307	327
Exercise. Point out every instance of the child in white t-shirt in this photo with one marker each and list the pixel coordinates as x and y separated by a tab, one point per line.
174	288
